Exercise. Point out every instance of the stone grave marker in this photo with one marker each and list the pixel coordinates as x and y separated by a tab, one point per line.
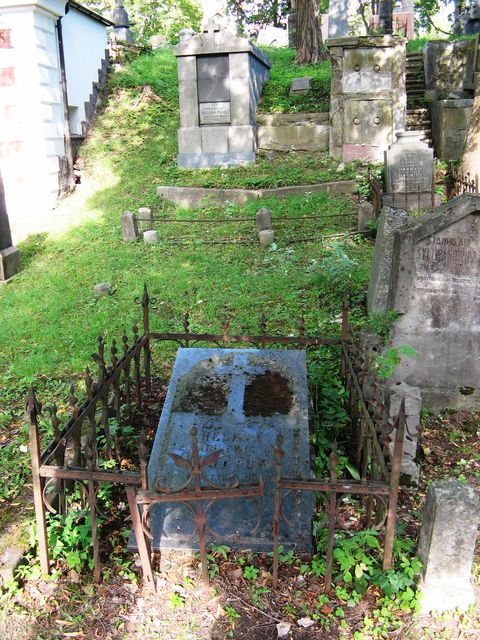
300	86
338	19
409	173
447	544
220	82
239	400
435	287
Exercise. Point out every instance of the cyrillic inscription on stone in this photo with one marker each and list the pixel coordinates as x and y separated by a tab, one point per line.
214	112
411	173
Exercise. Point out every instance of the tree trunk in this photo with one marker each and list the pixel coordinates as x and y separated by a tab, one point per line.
386	16
309	36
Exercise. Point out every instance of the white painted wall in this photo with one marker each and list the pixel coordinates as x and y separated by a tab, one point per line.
31	129
82	61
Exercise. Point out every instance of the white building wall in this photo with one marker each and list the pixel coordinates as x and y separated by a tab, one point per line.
31	110
81	62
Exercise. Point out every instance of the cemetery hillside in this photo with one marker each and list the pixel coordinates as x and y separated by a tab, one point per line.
239	381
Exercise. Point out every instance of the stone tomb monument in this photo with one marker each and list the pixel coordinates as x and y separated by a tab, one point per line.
435	287
368	99
409	173
239	400
220	83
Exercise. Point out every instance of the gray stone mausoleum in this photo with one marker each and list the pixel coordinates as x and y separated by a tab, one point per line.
220	83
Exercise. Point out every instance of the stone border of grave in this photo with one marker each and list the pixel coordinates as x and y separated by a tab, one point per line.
194	197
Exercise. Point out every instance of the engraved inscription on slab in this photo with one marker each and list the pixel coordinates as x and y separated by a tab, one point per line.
411	173
214	112
447	283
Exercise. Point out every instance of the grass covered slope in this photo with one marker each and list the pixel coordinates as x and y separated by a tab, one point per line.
50	317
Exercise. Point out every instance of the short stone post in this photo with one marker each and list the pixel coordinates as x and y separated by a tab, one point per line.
447	541
263	219
150	237
413	408
145	214
129	226
263	225
365	215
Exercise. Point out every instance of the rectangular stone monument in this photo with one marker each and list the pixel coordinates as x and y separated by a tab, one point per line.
435	287
9	255
338	19
409	177
368	99
220	82
446	545
239	400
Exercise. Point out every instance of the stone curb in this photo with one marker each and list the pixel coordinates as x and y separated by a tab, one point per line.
191	197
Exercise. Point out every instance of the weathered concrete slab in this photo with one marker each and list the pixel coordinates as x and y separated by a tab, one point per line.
239	400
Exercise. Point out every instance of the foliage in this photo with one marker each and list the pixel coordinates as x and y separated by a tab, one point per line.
276	92
70	539
156	17
386	363
251	15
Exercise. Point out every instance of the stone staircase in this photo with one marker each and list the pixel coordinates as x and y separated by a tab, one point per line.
418	115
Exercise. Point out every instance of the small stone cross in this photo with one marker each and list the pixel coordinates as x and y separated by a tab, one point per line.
238	371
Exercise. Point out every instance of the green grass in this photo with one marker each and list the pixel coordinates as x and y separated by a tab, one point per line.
276	95
50	317
417	44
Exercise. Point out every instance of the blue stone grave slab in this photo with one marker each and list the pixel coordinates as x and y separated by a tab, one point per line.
239	400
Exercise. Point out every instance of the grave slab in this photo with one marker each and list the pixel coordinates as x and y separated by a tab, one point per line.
239	400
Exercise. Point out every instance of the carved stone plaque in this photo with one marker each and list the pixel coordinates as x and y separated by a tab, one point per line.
366	71
214	112
368	122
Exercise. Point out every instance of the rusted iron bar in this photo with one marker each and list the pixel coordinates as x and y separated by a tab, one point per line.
332	520
340	486
115	476
244	339
85	406
146	331
143	546
279	453
394	487
32	411
198	497
250	219
365	413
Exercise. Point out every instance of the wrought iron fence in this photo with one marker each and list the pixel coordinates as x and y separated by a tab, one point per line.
376	192
123	384
459	183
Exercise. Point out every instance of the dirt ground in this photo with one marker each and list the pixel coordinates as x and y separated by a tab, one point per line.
183	609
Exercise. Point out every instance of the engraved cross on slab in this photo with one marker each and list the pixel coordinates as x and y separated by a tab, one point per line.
238	371
239	401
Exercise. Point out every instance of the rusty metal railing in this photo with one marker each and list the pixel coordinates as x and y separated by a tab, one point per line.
121	387
459	183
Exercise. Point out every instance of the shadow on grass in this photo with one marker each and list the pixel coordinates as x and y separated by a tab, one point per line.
34	246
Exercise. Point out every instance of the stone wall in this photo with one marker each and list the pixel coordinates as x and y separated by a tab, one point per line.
450	122
448	67
291	131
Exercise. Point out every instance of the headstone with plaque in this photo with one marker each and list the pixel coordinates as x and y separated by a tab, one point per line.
435	289
409	173
239	401
220	81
